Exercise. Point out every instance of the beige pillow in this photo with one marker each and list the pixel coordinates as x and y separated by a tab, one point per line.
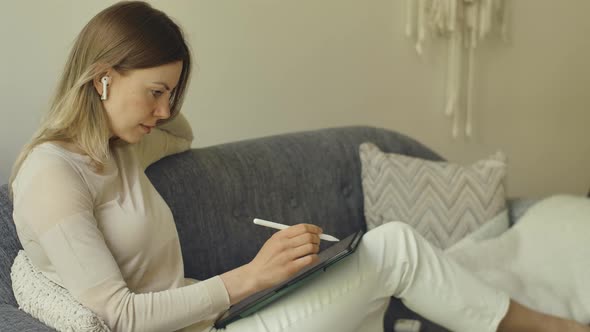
49	302
443	201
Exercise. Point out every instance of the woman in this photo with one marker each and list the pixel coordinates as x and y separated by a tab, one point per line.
89	218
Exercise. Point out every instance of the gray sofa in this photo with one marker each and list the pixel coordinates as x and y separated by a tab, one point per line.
214	193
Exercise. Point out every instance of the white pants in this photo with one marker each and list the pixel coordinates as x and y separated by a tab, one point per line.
391	260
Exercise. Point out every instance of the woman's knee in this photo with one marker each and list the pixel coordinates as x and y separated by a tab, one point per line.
394	249
396	238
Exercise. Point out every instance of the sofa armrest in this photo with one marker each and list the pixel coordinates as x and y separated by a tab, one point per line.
14	320
518	206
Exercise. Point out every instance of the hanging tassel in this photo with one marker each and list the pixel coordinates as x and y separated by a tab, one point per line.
465	23
409	17
474	23
421	28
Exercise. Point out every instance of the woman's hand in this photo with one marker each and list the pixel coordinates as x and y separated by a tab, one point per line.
285	253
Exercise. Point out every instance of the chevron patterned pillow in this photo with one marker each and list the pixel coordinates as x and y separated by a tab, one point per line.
443	201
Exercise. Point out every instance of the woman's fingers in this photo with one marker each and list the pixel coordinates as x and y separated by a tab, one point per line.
303	250
299	229
306	242
304	238
304	261
296	265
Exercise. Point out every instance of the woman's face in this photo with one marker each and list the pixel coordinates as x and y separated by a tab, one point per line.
138	99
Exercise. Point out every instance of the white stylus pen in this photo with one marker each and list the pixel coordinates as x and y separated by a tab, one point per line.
276	225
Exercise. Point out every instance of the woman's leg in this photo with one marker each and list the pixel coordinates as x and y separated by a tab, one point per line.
391	260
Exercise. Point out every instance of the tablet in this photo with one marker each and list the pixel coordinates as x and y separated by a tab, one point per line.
257	301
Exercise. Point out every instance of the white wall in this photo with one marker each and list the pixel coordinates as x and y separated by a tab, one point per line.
269	67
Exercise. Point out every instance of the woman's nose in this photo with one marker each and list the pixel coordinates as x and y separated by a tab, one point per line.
162	110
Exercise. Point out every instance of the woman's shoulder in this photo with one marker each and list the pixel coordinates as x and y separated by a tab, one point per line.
65	146
62	149
48	166
49	158
55	154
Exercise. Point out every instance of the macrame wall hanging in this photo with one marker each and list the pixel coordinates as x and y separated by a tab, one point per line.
464	24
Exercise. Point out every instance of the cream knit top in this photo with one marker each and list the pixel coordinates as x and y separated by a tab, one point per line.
109	238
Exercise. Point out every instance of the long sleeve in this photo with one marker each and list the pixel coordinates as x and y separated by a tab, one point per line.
54	203
173	137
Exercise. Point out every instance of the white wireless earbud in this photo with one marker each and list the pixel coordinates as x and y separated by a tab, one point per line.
105	81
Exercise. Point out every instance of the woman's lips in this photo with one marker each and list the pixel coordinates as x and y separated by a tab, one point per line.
147	129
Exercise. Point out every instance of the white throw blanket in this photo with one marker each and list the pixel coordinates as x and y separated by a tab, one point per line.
50	303
543	261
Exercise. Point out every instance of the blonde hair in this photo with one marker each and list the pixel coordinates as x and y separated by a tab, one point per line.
125	36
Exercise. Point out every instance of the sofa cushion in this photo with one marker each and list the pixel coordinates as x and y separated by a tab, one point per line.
441	200
48	302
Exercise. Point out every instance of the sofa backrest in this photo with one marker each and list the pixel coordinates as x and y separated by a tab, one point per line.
306	177
215	192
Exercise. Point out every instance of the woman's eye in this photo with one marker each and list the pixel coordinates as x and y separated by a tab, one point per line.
157	93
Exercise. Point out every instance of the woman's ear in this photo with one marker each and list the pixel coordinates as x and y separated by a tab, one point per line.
102	84
98	80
